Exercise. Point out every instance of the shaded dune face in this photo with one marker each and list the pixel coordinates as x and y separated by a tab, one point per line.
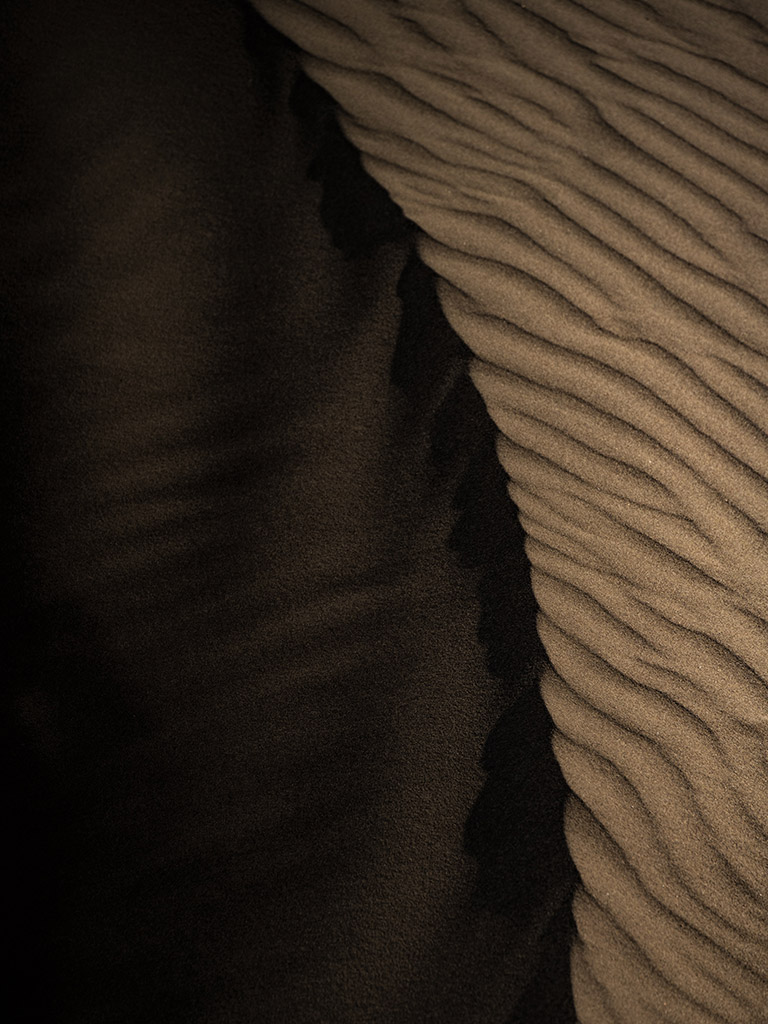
591	181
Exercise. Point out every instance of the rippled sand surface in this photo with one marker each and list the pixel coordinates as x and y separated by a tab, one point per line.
592	183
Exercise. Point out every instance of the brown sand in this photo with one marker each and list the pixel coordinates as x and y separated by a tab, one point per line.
592	184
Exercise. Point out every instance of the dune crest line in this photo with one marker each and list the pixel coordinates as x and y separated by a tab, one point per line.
591	182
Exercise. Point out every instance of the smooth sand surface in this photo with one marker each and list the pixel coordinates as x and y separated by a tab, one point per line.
251	701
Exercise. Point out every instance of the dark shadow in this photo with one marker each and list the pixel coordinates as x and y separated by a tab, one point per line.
355	210
514	831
